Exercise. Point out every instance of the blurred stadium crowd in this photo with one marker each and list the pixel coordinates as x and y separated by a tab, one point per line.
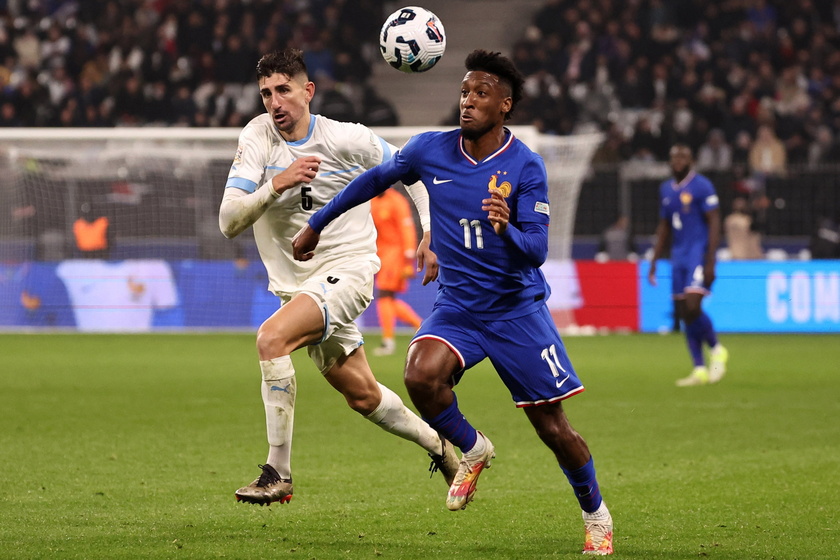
175	62
749	82
755	82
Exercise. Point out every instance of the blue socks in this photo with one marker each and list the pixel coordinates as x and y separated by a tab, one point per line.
452	425
694	338
696	333
709	334
585	485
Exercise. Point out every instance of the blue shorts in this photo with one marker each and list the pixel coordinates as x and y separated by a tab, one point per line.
687	276
527	352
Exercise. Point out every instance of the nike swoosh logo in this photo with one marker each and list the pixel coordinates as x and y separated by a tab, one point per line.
560	383
437	181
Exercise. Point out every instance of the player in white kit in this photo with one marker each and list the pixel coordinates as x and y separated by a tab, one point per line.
289	164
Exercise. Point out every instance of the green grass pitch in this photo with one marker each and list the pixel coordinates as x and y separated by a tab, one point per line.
132	446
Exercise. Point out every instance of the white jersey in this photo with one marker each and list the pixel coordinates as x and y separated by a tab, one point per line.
346	150
118	296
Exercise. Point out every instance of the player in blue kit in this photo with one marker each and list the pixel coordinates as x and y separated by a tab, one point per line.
489	207
689	217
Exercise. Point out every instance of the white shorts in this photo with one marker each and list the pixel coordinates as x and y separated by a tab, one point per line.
342	292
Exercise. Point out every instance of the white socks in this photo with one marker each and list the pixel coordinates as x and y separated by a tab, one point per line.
479	448
600	514
392	416
278	394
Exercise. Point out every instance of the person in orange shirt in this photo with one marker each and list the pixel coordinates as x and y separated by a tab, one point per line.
396	243
92	234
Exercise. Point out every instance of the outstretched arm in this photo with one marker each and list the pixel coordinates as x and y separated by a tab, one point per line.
420	196
360	190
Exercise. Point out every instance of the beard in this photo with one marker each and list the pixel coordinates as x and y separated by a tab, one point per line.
475	133
681	174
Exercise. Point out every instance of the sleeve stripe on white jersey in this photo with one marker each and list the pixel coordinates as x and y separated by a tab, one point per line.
328	173
240	183
386	150
324	174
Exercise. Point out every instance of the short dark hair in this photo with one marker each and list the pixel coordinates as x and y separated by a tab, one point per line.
289	61
494	63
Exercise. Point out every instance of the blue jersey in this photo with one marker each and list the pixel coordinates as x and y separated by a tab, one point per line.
492	276
685	205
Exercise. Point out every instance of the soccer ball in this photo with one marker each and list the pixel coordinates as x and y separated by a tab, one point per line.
412	40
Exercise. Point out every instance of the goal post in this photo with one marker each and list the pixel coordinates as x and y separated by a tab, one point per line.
167	265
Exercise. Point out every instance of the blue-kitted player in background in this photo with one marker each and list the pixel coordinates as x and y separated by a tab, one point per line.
689	217
488	195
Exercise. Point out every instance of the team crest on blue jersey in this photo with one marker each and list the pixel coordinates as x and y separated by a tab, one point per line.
503	189
686	198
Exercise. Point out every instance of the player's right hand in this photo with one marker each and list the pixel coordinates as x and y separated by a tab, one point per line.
302	170
304	243
652	273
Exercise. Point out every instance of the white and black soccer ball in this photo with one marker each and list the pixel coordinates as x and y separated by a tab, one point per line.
412	39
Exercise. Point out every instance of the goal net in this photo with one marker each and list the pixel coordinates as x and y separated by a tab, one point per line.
117	229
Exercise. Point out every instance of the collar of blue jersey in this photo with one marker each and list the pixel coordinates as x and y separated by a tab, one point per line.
505	145
684	182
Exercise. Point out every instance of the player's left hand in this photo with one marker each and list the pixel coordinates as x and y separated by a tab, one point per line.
498	211
304	243
426	258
